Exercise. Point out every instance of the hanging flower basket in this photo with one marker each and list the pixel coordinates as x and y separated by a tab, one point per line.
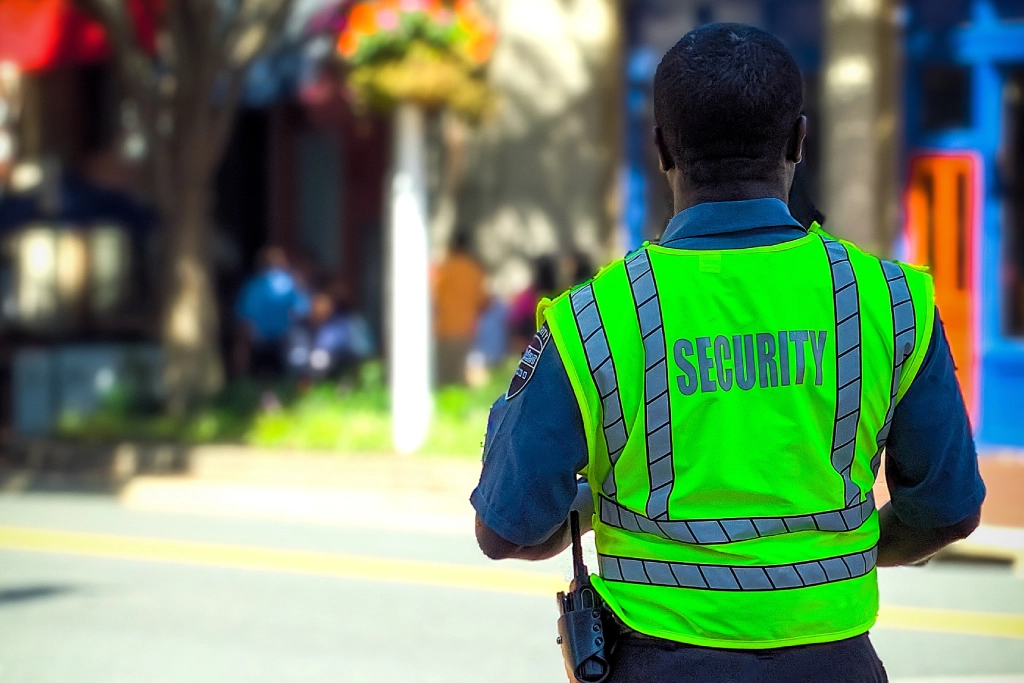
427	52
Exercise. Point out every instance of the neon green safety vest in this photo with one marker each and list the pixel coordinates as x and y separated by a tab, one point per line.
736	403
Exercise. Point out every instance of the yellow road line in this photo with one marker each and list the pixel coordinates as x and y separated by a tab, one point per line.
951	621
422	573
274	559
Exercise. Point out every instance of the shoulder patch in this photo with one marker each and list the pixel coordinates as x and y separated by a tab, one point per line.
528	363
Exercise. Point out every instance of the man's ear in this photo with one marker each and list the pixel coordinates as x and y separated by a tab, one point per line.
664	158
795	148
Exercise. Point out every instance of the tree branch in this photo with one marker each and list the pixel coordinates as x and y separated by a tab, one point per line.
255	24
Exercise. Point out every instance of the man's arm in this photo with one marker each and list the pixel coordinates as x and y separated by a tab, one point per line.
901	544
931	465
535	446
497	548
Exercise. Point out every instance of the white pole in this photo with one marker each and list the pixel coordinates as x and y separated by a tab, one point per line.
411	400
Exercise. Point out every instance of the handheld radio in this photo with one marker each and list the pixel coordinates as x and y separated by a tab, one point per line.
581	626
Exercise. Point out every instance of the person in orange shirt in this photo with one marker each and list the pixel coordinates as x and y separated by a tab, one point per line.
460	296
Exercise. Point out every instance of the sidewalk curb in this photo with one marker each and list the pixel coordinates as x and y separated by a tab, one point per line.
371	488
383	471
55	463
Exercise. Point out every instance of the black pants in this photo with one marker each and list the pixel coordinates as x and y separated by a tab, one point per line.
643	659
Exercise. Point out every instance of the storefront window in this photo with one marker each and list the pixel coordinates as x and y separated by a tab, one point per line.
37	276
63	275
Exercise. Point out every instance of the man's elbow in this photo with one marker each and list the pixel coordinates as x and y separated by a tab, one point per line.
963	529
942	537
491	544
500	550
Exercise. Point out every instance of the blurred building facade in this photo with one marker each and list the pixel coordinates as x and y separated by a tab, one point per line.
916	149
81	250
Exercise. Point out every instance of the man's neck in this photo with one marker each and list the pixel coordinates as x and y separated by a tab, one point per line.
686	195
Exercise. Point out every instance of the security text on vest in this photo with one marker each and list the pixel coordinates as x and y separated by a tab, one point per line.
746	361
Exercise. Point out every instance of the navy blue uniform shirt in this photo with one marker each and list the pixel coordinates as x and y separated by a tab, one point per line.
536	445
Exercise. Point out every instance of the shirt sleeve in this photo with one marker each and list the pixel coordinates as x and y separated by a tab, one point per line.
931	464
534	447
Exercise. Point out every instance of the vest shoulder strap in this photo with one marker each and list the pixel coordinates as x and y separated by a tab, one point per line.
912	297
564	314
921	287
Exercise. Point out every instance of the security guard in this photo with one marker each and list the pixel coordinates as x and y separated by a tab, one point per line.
728	394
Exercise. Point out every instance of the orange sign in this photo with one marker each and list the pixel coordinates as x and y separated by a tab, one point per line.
942	222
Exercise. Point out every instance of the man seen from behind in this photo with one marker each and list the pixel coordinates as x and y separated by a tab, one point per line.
728	394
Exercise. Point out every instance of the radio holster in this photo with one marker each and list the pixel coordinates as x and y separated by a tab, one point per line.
586	629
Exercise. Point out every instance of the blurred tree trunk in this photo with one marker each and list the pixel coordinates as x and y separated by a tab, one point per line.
187	96
190	332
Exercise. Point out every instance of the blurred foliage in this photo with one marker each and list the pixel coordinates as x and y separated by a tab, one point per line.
428	52
125	415
350	416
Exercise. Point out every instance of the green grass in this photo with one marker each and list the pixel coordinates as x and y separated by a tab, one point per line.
349	417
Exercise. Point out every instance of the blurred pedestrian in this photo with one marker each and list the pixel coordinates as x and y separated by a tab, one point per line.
490	345
522	312
460	296
334	339
492	332
271	301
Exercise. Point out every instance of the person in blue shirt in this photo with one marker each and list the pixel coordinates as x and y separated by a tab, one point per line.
535	443
271	301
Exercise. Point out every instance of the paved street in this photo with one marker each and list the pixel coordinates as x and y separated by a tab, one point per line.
92	591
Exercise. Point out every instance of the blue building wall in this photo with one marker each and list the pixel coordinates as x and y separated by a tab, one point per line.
986	39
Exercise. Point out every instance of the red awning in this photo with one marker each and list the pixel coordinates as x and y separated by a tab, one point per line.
40	34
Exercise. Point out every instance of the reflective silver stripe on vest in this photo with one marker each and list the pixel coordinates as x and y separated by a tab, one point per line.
719	577
656	398
904	327
715	531
602	369
848	367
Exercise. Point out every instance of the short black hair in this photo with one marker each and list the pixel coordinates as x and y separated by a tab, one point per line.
726	99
